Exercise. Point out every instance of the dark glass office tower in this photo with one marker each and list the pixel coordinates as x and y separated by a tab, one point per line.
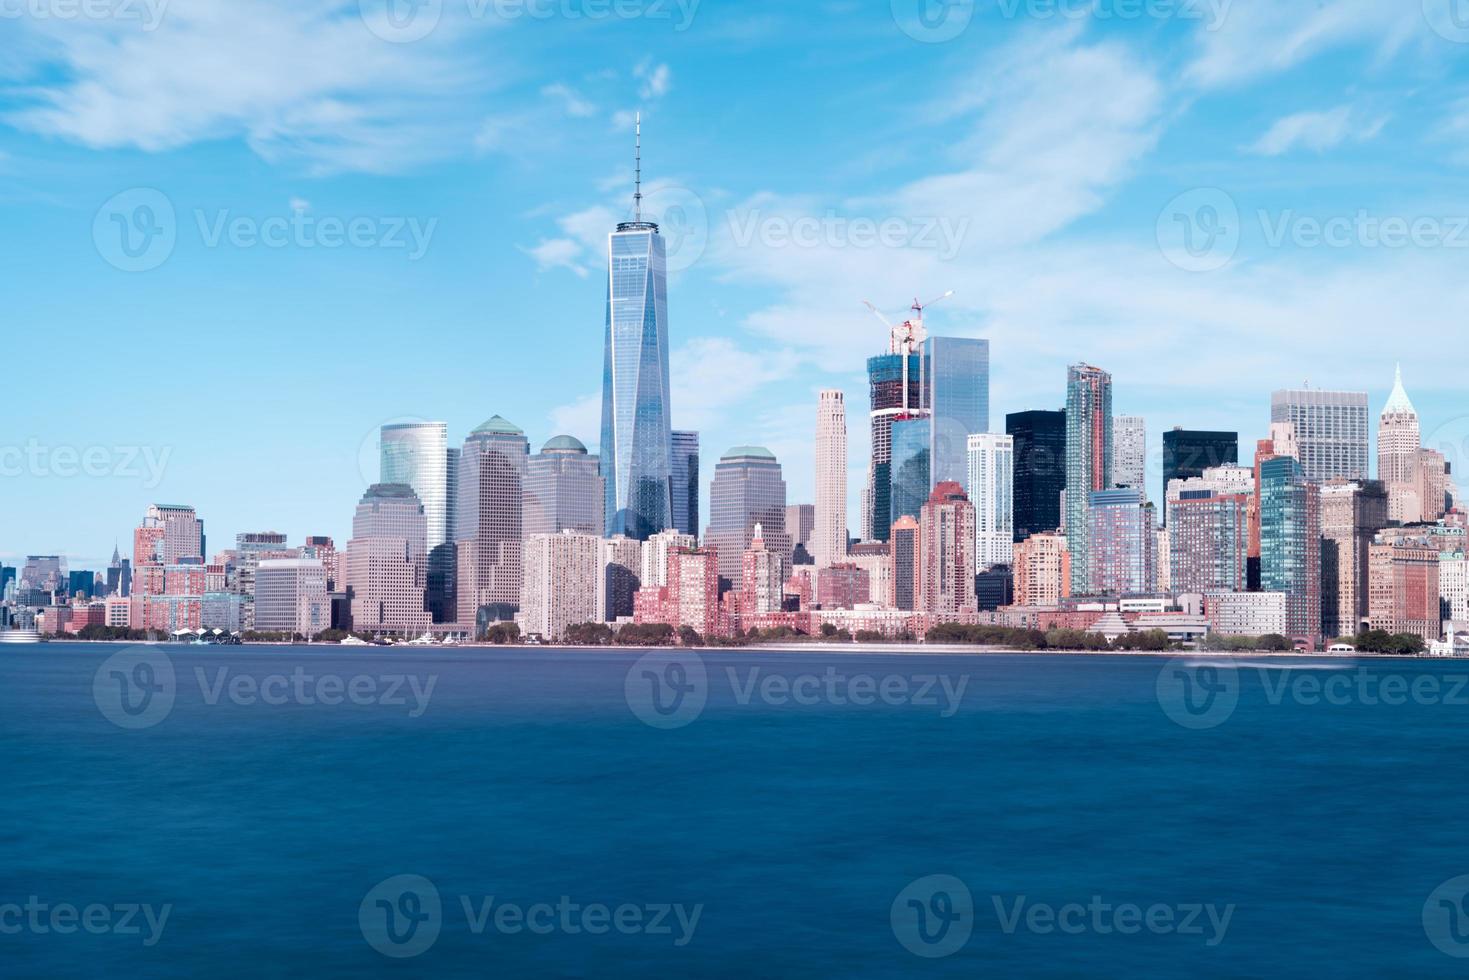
1040	469
1188	453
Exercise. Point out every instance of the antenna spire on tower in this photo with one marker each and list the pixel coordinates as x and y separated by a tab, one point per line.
638	193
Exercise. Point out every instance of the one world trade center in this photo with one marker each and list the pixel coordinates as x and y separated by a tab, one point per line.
636	451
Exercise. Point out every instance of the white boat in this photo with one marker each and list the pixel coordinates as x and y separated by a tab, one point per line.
19	636
353	641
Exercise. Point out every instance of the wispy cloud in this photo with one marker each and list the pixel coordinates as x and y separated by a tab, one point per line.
1318	131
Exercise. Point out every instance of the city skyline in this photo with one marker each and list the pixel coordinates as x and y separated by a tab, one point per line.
760	322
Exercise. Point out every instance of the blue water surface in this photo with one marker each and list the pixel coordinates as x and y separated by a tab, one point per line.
807	835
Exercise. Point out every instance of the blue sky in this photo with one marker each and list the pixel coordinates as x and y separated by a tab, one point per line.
1210	199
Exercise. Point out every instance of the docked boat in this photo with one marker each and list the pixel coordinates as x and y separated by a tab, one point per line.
19	636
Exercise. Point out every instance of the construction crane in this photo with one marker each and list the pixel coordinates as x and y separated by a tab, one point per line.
908	335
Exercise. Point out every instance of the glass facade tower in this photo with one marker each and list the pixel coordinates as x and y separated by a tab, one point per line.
911	466
748	490
636	451
1088	460
1290	543
956	380
1188	453
416	454
1040	470
686	483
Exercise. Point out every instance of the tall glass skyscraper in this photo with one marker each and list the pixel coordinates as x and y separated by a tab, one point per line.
1331	431
686	483
492	470
416	454
637	439
911	466
1040	470
563	490
1088	460
956	380
1188	453
1290	543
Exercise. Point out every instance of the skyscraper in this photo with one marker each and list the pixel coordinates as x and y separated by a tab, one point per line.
387	561
748	489
560	588
686	482
1290	543
620	577
1209	534
1351	516
637	437
956	383
1123	542
1040	470
910	465
991	489
563	490
946	552
492	469
894	381
1330	429
1399	445
1188	453
1130	452
801	526
183	532
905	555
829	536
416	454
1088	460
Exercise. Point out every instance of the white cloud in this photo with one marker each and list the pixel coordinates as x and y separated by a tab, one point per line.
581	419
1317	131
1255	39
656	80
300	80
572	101
554	253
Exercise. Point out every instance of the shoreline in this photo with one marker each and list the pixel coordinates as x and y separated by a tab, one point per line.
844	649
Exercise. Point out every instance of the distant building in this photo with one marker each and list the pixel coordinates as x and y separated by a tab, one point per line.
1040	470
1403	588
686	482
386	566
829	535
844	585
1130	452
801	526
1330	430
991	489
748	489
957	396
563	490
1290	543
1209	532
762	579
1187	453
620	579
560	589
490	514
1122	536
1246	613
1399	444
1088	461
291	597
946	552
1351	516
905	557
911	465
1042	570
655	552
994	588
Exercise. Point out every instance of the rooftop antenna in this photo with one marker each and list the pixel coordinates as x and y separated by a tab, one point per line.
638	194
